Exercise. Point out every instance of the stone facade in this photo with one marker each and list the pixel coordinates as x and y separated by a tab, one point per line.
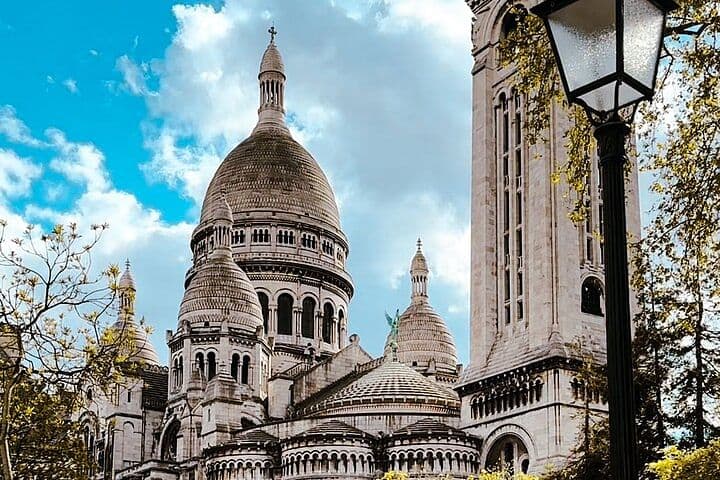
264	381
536	290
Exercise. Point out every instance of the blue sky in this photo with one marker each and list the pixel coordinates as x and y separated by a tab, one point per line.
121	111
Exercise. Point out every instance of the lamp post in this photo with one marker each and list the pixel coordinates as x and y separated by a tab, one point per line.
608	53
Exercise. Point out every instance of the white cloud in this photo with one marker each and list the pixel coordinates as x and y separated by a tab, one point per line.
50	80
93	52
448	19
16	174
134	76
81	163
189	168
71	85
15	129
201	25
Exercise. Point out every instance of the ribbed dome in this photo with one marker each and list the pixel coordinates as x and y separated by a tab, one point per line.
140	348
391	383
218	290
272	60
333	428
424	336
271	172
419	263
126	279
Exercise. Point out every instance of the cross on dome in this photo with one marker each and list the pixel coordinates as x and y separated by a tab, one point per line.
272	33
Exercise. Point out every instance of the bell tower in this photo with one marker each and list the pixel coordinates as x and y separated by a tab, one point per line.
536	277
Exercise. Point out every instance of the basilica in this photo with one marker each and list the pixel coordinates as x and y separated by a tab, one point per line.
265	379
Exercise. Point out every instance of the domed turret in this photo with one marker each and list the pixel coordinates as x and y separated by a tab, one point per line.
219	289
140	348
423	339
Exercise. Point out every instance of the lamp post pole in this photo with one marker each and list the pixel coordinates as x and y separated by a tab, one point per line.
611	138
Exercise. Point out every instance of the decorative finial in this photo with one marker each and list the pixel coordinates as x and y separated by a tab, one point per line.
127	264
419	244
272	33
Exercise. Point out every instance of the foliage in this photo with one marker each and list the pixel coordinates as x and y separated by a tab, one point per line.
45	441
52	320
484	475
700	464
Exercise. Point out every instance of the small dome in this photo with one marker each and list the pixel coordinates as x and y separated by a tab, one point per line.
141	348
333	428
423	336
419	263
393	385
272	60
126	279
221	290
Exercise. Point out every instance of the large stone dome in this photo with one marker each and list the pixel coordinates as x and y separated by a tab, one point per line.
271	172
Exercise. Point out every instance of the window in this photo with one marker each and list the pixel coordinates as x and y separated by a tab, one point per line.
245	372
234	365
592	294
285	314
264	306
308	318
341	317
200	363
211	365
129	396
328	313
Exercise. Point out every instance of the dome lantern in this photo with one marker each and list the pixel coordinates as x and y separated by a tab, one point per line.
271	112
419	272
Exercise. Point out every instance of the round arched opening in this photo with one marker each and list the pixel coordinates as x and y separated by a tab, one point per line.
508	453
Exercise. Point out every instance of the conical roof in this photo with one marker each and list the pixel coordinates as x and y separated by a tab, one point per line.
126	280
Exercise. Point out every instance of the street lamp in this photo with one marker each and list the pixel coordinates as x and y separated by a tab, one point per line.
607	53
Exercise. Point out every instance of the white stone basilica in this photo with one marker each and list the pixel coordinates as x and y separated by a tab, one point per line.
264	381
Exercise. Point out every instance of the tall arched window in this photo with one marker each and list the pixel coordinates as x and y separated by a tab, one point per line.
234	364
264	306
328	313
168	449
341	317
285	314
592	293
212	367
245	372
308	318
200	363
180	371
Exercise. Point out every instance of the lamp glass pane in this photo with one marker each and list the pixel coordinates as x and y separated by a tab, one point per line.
642	39
603	99
585	35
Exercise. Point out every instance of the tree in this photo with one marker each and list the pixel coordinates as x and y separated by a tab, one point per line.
52	324
45	441
699	464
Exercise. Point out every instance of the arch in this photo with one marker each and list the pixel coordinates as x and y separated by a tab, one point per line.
591	294
234	366
285	314
307	325
200	363
265	307
245	370
511	430
327	326
169	441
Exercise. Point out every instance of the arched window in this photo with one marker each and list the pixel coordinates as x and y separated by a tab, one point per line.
341	317
592	293
200	363
264	305
308	318
234	364
285	314
211	368
180	372
245	373
328	313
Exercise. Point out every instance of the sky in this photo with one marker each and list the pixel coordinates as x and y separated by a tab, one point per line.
120	112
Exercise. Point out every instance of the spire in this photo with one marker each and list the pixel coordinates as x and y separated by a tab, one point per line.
272	86
126	291
419	275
